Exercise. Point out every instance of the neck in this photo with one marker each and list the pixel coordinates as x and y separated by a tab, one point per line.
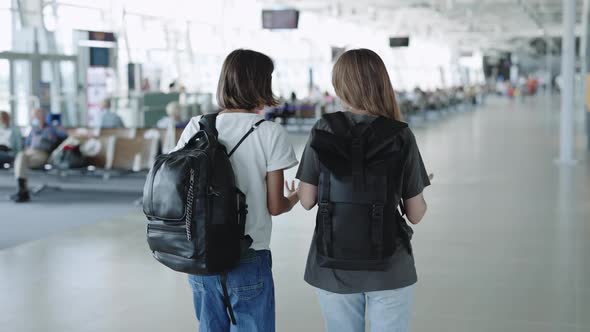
238	110
361	112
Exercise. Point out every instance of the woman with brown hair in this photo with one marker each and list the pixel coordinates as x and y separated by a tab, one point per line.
359	166
245	87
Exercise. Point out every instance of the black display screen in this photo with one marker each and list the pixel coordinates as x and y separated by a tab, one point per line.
99	57
280	19
399	41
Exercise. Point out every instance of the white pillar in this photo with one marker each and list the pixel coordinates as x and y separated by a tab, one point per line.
567	135
585	57
549	69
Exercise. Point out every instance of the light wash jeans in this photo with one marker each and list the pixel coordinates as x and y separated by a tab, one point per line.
387	311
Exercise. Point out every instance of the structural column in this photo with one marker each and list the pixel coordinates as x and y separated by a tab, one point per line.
567	135
585	57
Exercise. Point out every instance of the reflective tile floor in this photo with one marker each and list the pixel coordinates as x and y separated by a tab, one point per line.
505	245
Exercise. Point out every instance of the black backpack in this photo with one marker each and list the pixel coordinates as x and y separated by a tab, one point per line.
358	225
70	157
196	213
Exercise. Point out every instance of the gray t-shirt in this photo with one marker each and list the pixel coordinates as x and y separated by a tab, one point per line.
401	271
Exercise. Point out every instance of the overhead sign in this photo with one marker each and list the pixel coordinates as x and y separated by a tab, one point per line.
399	41
280	19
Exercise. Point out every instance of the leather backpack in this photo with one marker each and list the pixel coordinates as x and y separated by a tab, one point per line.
358	224
196	213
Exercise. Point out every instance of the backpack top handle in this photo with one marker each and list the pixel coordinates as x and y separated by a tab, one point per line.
338	122
207	123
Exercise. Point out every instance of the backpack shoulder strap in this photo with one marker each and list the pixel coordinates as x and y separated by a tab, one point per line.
256	125
384	127
338	123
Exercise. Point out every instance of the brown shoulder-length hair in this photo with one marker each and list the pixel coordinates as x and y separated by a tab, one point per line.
246	81
362	83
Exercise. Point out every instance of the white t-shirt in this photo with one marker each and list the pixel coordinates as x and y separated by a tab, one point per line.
5	137
267	149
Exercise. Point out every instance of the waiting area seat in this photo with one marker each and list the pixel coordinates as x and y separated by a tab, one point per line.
134	154
115	153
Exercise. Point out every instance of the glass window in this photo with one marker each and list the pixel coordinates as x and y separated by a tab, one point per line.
4	85
68	94
22	92
5	27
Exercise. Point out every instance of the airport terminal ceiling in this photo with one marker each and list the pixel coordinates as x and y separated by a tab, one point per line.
487	24
185	41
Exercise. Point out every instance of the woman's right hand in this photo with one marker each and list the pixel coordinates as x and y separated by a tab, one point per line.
291	190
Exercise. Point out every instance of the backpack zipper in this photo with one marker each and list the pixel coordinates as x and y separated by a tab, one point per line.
189	202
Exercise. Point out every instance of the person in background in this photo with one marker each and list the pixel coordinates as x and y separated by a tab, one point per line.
171	122
109	118
328	98
173	87
172	118
10	140
145	85
328	102
42	140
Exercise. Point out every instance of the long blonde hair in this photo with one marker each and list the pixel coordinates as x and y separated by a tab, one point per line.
361	81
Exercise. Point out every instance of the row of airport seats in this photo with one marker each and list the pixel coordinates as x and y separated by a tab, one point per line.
120	152
124	149
411	103
288	110
419	101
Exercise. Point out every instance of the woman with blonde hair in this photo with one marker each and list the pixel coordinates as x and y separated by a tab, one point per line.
364	170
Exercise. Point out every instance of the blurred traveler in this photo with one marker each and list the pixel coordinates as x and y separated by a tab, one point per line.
10	140
171	122
328	98
145	85
42	140
173	87
245	87
172	118
356	273
109	118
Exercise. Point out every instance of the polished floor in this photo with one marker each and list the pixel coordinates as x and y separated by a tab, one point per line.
504	247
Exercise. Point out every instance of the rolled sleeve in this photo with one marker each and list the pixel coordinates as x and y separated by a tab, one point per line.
282	155
415	177
309	168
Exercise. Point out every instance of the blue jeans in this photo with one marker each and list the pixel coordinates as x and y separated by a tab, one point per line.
251	291
388	311
6	158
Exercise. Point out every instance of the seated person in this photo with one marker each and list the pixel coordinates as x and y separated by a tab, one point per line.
10	140
109	118
171	122
42	140
172	118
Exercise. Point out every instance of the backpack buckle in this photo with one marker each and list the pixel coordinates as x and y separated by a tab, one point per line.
377	211
324	208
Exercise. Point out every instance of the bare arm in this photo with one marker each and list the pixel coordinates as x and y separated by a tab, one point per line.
415	208
308	194
275	199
